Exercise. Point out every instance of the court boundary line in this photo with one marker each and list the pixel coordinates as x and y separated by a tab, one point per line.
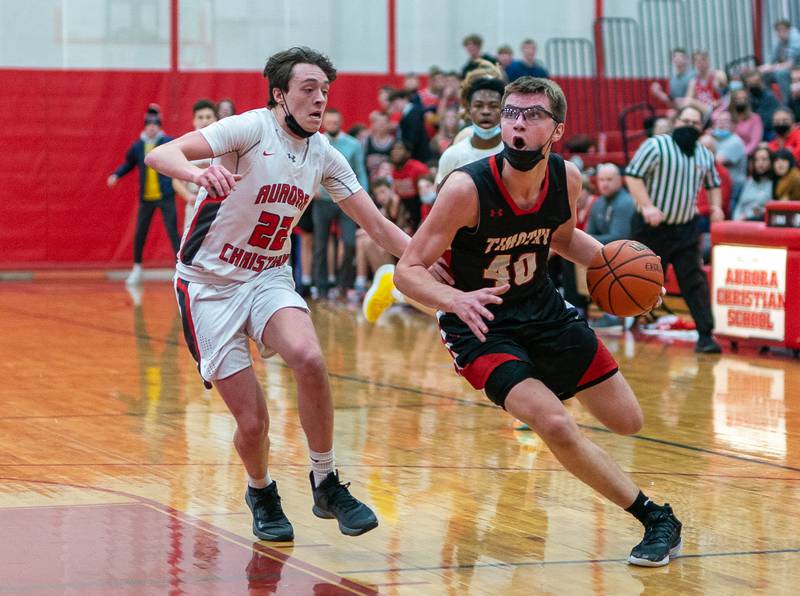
204	526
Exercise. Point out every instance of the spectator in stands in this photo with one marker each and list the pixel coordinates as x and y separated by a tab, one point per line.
758	187
411	128
481	97
427	193
731	152
505	56
762	100
785	56
787	176
787	134
610	218
747	125
407	172
225	108
155	191
473	44
411	86
326	211
369	254
378	142
678	83
430	95
664	177
794	94
707	86
359	132
448	129
204	112
528	65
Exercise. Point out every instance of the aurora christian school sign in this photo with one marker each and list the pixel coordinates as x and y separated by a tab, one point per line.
749	291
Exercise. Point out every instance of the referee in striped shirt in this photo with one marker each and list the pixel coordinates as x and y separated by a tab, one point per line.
664	178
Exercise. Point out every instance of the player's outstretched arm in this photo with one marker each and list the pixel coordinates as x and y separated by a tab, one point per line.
360	208
568	241
173	159
456	207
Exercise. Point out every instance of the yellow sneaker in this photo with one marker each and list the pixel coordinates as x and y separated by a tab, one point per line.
379	296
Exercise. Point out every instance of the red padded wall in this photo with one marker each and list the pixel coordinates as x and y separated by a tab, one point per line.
64	132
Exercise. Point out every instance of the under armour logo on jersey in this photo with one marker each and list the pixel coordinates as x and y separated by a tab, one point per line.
495	213
292	157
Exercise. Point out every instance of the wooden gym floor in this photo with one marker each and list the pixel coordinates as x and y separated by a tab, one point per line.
118	476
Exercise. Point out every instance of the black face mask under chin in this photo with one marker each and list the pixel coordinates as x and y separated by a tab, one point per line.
521	159
686	138
294	125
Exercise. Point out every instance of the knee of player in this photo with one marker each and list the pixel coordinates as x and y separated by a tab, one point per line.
558	429
307	359
630	423
252	427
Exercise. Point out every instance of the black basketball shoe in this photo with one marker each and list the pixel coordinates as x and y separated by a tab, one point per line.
662	538
332	499
269	521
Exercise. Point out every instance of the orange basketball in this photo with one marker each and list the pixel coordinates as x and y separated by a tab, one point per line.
625	278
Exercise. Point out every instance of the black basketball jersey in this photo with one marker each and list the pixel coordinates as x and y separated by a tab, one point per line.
509	244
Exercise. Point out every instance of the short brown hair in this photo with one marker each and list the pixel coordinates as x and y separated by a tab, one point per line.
204	104
546	87
278	69
473	38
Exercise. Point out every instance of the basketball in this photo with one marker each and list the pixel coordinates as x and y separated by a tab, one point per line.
625	278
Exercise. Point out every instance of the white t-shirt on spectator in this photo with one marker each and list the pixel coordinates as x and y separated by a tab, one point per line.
460	154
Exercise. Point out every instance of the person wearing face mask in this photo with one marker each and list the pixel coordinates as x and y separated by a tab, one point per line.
762	100
746	124
481	92
664	177
787	135
507	327
233	283
731	151
787	176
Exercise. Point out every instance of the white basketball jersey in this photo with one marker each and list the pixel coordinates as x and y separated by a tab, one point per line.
236	237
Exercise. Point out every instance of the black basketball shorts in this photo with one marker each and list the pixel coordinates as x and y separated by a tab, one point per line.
562	352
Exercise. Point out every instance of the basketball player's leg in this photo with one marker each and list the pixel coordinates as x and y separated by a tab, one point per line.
533	403
291	334
614	404
244	397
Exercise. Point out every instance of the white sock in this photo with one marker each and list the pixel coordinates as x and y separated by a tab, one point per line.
259	482
398	296
137	268
306	280
322	464
361	281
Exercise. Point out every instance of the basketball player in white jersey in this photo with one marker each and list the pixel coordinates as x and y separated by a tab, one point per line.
233	281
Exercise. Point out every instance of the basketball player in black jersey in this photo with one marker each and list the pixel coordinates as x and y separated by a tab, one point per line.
508	329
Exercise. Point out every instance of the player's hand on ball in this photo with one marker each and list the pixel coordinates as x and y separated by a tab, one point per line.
660	300
470	308
217	180
441	272
652	215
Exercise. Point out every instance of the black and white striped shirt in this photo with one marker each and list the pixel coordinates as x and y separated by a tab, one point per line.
671	177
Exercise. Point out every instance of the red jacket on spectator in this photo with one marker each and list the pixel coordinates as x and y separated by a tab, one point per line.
726	187
405	178
792	143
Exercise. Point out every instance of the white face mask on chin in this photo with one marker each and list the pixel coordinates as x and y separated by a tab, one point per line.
485	133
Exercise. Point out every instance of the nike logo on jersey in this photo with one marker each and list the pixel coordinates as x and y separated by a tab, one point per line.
267	154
